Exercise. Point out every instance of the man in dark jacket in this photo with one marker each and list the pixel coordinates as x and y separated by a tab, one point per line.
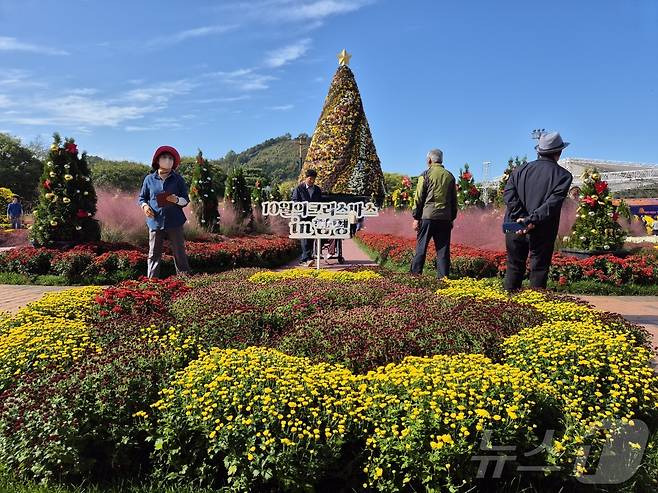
307	191
534	194
434	213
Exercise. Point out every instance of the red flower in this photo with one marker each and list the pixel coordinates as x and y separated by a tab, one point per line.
46	184
466	175
473	192
601	186
71	147
590	201
562	281
615	216
82	213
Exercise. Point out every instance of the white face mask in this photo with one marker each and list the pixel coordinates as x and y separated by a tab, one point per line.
166	163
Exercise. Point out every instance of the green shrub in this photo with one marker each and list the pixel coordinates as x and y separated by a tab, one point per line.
14	278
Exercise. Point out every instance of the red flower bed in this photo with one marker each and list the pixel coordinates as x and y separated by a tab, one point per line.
140	296
476	262
467	261
98	261
636	269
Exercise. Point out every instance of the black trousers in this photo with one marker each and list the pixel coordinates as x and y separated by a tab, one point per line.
539	246
439	231
307	249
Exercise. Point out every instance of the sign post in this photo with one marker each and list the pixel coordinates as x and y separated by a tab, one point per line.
319	220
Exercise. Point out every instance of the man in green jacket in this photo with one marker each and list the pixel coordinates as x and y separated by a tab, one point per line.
434	213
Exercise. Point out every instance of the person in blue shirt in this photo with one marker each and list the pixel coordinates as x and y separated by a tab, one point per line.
15	213
162	198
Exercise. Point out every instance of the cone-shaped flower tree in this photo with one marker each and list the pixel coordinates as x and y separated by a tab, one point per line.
67	200
342	150
238	195
596	227
203	195
468	194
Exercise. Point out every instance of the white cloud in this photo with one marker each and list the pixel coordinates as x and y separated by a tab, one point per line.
284	107
320	9
231	99
18	78
12	44
197	32
84	108
160	93
5	102
246	79
289	53
84	91
311	12
157	124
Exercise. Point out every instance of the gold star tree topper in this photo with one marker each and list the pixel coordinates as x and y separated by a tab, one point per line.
344	57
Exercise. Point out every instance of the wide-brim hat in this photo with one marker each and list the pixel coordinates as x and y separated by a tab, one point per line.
550	143
161	150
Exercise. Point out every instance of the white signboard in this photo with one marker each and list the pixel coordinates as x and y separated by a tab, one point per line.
320	220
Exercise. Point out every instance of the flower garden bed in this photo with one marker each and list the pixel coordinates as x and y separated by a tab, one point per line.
108	263
604	274
366	381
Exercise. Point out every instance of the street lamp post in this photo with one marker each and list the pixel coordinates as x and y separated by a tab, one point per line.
301	141
537	133
485	181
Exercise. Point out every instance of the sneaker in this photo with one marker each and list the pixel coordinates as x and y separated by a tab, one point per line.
310	263
326	255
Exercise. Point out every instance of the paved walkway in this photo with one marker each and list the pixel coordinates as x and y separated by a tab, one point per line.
353	255
13	297
641	310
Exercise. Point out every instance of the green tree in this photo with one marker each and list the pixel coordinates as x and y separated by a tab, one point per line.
596	227
512	164
19	168
203	195
237	193
67	199
275	191
126	176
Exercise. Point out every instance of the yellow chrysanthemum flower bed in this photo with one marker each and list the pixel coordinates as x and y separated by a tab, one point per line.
53	329
489	289
556	311
426	416
167	338
261	410
596	373
265	277
258	406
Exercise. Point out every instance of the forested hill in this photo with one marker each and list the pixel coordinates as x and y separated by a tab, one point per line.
276	158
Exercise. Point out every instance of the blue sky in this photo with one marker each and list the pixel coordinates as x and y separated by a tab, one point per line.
472	77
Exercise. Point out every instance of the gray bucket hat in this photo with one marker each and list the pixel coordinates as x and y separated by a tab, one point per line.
550	143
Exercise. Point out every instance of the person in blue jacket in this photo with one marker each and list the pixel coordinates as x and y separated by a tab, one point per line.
15	212
162	198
